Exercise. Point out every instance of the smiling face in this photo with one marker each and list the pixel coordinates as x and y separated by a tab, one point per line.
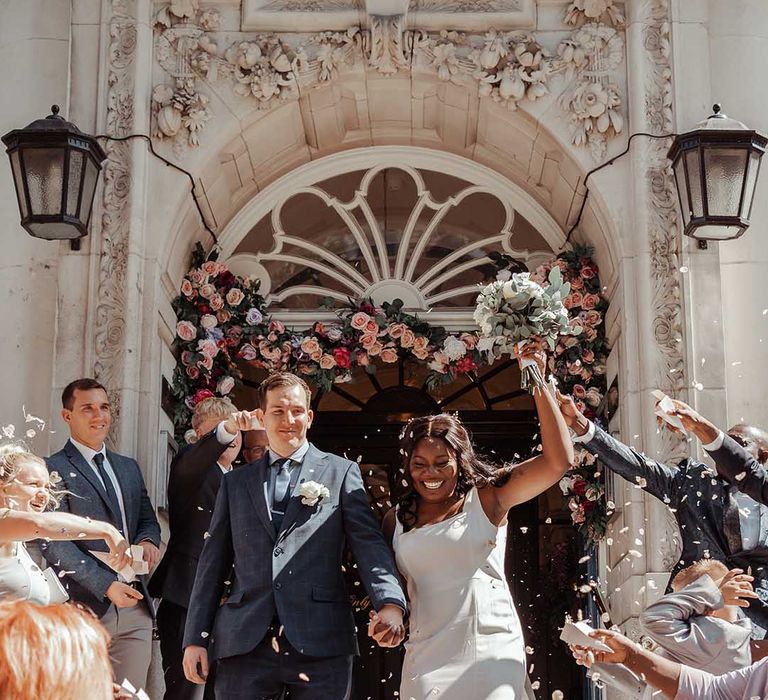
89	418
434	470
29	489
286	417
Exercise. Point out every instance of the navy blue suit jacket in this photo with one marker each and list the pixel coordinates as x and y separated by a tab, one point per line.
87	579
295	574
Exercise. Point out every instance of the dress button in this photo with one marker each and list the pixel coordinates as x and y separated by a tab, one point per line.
278	585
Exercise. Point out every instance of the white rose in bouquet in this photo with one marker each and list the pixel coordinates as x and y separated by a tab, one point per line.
511	312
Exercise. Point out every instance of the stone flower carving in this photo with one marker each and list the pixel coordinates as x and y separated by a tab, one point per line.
582	11
209	20
261	69
184	9
180	108
445	61
593	102
512	66
333	49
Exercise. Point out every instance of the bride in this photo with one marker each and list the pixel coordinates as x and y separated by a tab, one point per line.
448	531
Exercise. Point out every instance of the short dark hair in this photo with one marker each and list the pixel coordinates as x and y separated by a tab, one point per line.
84	384
277	380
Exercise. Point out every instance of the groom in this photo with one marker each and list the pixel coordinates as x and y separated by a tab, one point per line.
283	522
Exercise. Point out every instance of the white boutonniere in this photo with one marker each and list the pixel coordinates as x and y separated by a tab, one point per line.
311	492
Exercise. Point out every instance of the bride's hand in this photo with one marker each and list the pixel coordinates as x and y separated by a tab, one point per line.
534	349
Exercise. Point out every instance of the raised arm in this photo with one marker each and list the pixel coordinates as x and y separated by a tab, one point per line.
672	620
535	475
657	671
656	478
734	463
739	467
21	526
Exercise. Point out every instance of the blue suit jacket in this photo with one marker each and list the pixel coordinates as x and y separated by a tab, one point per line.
87	579
295	574
703	505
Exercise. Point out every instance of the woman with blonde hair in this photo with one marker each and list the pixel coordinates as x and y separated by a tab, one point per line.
55	652
26	491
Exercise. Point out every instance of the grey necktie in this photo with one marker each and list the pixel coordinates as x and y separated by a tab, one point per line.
282	490
98	460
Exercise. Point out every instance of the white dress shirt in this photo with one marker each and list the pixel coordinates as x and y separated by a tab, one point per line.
753	516
88	455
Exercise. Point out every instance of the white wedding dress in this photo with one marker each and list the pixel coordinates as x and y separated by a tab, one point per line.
465	639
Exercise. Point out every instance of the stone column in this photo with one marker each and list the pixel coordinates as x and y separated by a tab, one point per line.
34	53
653	336
738	45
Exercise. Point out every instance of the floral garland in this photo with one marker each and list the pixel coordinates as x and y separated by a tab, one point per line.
222	323
579	365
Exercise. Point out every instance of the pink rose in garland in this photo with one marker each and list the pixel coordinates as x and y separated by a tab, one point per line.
185	330
360	320
234	296
389	355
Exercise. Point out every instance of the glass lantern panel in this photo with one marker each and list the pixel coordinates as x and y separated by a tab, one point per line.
73	181
89	186
55	230
712	232
749	186
724	169
693	167
682	189
19	181
45	179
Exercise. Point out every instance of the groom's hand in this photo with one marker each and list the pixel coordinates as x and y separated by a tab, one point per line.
386	626
572	416
196	657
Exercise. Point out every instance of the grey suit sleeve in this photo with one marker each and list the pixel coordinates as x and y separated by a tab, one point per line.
619	677
215	564
654	477
67	556
672	623
374	559
741	469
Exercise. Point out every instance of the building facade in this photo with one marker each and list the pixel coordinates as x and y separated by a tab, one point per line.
307	122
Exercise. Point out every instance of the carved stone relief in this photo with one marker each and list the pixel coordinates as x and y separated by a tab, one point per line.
109	329
664	233
508	66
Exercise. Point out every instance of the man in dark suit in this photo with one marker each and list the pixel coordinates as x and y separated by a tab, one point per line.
104	485
195	477
283	522
716	518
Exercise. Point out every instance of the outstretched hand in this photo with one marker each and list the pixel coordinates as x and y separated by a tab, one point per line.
692	421
386	626
621	647
572	416
240	421
736	588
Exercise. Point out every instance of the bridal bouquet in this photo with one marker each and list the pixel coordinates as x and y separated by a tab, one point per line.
511	312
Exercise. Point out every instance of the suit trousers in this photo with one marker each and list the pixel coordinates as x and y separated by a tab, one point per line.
131	645
171	619
274	667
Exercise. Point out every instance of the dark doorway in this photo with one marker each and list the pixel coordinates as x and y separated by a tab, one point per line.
363	419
